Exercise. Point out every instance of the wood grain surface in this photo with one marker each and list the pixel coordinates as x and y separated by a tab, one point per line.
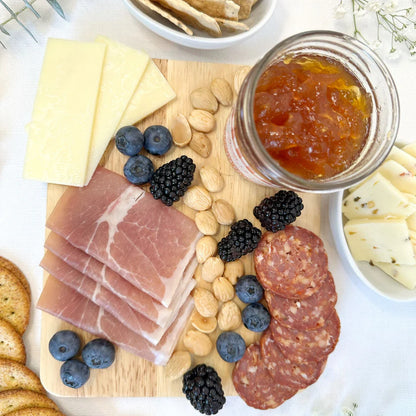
130	375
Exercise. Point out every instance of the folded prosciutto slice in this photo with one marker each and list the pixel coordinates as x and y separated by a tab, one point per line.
67	304
103	298
125	228
138	300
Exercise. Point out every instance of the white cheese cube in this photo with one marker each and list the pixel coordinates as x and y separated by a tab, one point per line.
410	148
406	275
380	240
377	198
403	158
399	176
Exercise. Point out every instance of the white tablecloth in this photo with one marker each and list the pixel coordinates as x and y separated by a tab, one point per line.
374	363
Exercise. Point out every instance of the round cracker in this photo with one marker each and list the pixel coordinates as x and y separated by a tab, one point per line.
14	301
12	400
11	343
14	375
11	267
35	411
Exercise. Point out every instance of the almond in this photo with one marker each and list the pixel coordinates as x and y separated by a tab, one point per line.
234	270
197	343
223	289
203	323
203	99
239	77
197	198
205	247
229	316
201	120
212	268
200	281
222	91
211	179
201	144
178	365
205	302
223	212
206	222
181	131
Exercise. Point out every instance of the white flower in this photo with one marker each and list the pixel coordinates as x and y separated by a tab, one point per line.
346	411
390	6
375	45
374	5
410	12
340	11
394	54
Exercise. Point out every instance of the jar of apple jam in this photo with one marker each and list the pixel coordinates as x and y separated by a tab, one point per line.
318	113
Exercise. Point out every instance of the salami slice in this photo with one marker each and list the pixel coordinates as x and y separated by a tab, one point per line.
285	371
307	313
254	384
292	262
313	345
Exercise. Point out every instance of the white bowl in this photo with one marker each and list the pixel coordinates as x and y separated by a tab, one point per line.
372	276
261	13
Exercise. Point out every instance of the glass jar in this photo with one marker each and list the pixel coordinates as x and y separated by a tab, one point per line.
244	148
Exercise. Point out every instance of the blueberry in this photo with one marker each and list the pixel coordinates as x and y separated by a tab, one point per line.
74	373
249	289
129	140
157	140
98	353
256	317
138	169
230	346
64	345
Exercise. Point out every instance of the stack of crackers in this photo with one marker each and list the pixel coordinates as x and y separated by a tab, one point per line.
21	392
211	16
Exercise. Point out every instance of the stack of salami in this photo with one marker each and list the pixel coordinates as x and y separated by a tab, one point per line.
121	265
292	266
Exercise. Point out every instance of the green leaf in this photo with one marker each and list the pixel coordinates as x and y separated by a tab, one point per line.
57	7
14	16
31	8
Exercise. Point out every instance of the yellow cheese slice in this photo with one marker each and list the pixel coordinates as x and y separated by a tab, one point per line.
379	240
410	148
404	274
152	93
63	113
122	72
403	158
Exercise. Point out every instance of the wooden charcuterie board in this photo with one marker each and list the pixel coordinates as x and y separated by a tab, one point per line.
131	375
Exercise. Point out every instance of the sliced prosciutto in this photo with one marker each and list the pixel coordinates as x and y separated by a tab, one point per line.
138	300
125	228
67	304
103	298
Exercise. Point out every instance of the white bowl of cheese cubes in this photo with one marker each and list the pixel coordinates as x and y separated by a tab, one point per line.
374	226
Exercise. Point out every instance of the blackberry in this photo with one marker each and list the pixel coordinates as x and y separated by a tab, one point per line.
242	239
171	180
279	210
202	387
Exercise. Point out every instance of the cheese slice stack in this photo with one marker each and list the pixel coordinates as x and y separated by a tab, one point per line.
63	113
87	90
381	213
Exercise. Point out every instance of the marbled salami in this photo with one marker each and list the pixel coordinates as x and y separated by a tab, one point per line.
285	371
292	262
307	313
312	345
254	384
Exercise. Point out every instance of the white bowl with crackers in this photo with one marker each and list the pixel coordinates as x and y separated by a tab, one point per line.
203	24
374	226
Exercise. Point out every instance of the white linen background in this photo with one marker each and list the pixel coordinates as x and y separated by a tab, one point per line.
374	363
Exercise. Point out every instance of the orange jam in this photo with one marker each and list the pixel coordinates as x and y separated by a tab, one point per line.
311	115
